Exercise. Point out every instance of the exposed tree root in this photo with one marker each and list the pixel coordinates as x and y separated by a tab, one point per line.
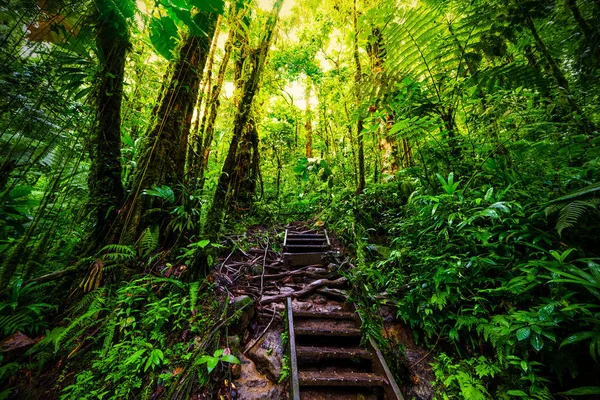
311	287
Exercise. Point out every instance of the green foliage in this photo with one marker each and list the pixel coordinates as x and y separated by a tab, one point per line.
164	31
23	309
164	36
470	268
220	355
132	335
572	207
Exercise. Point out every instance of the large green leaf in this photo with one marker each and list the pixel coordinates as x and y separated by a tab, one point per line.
537	342
164	36
214	6
578	337
583	391
523	333
186	17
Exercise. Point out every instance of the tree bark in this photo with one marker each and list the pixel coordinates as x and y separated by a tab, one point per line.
207	128
557	74
586	29
196	132
104	180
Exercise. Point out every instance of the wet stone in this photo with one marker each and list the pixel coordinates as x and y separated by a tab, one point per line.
268	352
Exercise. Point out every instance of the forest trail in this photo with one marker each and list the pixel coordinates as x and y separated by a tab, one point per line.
327	357
325	350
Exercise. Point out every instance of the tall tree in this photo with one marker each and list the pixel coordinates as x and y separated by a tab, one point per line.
162	162
106	188
244	106
209	117
357	88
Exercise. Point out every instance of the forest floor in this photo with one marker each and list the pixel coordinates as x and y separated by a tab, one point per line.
253	278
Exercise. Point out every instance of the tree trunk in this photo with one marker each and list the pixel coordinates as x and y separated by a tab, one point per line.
555	70
104	180
250	88
307	120
557	74
247	169
359	123
586	29
207	128
196	132
162	162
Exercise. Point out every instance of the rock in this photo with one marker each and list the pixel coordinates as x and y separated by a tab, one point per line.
234	344
252	385
268	352
244	310
236	371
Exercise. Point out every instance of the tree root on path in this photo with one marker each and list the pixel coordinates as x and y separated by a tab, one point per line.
311	287
311	272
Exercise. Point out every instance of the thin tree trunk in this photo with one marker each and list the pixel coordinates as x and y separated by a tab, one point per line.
586	29
207	128
104	180
307	120
196	132
250	88
359	123
555	70
557	74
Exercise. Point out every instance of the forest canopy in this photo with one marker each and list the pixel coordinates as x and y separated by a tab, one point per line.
451	146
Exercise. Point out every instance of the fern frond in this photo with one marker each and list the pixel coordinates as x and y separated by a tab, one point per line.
110	330
117	252
593	189
194	289
572	212
148	240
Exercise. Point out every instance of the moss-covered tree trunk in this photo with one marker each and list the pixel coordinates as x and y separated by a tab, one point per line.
244	106
359	122
162	162
104	181
590	34
247	169
308	119
207	127
195	137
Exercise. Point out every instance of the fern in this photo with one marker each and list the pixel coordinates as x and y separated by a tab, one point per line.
194	290
117	252
110	329
588	190
148	240
571	212
63	336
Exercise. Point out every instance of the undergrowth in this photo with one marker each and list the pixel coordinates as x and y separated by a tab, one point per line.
482	277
